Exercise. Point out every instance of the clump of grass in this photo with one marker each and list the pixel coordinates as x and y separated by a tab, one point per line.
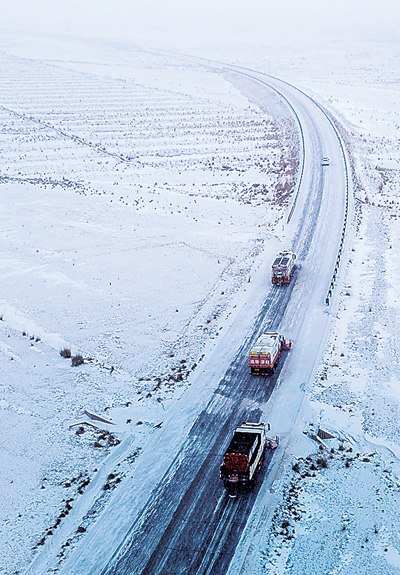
65	352
77	360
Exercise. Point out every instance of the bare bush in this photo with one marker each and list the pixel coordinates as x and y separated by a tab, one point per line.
65	352
77	360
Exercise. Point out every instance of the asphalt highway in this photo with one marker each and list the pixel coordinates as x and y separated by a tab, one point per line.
189	525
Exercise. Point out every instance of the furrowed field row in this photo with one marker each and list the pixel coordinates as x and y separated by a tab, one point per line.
73	121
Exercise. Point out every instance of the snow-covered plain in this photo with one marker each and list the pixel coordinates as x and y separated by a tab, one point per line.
138	194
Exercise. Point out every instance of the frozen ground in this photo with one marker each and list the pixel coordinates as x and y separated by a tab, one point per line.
338	512
137	195
133	212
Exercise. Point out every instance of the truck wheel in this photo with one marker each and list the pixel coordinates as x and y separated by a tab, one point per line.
232	489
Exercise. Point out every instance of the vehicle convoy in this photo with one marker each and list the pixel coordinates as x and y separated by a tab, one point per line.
283	267
244	456
265	353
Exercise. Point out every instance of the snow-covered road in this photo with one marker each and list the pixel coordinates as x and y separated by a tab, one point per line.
174	489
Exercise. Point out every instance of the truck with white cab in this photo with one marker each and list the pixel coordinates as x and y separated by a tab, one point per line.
265	353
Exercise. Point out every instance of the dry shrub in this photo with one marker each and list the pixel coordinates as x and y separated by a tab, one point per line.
77	360
65	352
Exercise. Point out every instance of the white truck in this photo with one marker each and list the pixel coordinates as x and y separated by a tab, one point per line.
264	355
283	267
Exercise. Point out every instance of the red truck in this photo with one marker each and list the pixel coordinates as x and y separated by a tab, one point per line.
244	456
265	353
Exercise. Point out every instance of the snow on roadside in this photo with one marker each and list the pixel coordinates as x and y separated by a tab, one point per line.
337	517
342	515
133	210
336	508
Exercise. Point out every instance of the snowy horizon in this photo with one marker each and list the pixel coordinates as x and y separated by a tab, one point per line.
208	23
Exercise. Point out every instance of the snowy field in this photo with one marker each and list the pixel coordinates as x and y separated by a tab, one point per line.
138	194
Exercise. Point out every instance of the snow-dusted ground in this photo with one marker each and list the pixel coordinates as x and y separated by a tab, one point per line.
136	195
336	511
133	208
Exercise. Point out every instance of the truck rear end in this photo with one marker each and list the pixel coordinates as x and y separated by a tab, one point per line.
283	267
243	457
264	354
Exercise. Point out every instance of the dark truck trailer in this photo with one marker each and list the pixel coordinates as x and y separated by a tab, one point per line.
244	456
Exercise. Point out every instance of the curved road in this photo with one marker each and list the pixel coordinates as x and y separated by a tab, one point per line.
182	522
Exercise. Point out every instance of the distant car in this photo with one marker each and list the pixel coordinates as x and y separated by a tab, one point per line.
325	161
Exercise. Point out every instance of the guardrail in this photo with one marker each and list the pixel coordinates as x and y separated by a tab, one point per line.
345	217
346	209
327	115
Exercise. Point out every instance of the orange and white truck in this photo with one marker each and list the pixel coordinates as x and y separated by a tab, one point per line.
265	353
283	267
